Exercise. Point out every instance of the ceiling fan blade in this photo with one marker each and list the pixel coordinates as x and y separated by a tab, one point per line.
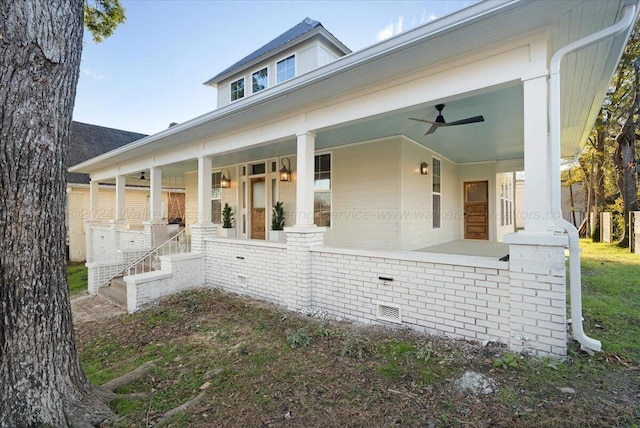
422	120
433	128
474	119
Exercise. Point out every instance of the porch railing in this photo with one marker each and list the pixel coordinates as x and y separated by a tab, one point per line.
150	261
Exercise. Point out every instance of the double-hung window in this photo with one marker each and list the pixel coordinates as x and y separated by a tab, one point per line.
286	69
322	190
216	198
259	80
237	89
436	195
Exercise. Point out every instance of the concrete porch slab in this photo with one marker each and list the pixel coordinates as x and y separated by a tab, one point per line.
470	247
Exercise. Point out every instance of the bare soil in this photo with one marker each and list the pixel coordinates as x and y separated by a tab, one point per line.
258	365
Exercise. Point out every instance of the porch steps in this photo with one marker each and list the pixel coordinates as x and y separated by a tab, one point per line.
115	292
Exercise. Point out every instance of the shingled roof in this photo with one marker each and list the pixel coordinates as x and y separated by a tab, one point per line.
293	33
88	141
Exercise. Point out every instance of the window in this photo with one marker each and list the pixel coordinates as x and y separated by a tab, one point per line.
216	198
258	168
259	80
322	188
437	195
286	69
506	200
237	89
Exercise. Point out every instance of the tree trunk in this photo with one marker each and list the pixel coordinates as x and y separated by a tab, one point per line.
625	163
41	380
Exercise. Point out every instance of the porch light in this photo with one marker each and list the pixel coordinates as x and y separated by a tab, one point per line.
424	168
225	182
285	172
142	177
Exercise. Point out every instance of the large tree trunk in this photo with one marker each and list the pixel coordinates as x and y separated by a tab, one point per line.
41	380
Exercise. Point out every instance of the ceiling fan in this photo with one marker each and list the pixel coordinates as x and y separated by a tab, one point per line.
441	122
141	177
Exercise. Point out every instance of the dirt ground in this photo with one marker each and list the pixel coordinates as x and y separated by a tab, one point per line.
257	365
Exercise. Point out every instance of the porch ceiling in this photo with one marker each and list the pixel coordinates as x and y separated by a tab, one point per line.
499	137
585	76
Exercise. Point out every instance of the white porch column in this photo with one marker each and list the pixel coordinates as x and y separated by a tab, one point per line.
120	197
93	200
205	164
155	194
536	156
203	228
304	183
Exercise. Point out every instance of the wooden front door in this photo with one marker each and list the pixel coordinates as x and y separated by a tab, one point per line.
476	210
258	208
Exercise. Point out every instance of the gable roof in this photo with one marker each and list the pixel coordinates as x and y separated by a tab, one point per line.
288	36
88	141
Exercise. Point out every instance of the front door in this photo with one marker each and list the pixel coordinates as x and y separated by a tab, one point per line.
258	207
476	210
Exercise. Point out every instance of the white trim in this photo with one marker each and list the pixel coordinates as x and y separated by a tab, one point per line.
418	256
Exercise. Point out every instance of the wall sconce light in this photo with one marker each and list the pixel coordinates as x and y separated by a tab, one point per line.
424	168
225	182
285	172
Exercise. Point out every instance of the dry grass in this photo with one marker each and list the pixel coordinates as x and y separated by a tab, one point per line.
262	366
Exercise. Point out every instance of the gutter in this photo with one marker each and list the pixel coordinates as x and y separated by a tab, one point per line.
575	280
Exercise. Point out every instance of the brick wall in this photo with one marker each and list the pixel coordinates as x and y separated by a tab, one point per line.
254	268
538	294
457	296
178	272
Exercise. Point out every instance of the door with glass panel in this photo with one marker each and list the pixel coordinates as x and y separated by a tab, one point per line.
258	208
476	210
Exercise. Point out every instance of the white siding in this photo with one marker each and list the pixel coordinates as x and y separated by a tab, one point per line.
417	202
365	195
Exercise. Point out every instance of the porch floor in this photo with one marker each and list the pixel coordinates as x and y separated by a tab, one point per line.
470	247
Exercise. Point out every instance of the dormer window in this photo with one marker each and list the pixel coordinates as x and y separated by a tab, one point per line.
259	80
286	69
237	89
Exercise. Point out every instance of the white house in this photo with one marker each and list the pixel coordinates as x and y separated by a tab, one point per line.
399	164
86	142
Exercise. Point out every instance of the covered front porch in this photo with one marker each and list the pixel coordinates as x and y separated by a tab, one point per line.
379	209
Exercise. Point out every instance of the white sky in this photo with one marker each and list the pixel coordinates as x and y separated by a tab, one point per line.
150	72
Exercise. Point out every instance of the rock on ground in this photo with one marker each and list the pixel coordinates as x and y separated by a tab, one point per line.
476	383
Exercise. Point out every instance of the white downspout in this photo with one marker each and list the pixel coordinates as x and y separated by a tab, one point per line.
554	122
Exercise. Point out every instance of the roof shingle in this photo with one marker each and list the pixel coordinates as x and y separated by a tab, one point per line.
88	141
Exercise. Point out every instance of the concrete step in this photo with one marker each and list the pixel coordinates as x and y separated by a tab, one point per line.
116	292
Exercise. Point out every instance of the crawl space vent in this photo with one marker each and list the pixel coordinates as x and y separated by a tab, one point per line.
388	312
241	280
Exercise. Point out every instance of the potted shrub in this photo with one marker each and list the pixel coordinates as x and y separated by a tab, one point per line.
228	231
277	232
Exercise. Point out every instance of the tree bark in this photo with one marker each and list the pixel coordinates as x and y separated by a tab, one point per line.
41	379
625	163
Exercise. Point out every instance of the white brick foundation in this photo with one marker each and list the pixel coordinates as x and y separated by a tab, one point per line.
253	268
178	272
538	294
457	296
300	241
198	234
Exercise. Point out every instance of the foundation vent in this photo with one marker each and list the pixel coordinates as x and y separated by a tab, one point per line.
241	280
389	312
